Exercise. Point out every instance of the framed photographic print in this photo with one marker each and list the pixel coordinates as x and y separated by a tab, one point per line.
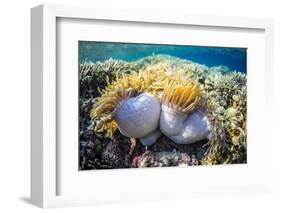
149	106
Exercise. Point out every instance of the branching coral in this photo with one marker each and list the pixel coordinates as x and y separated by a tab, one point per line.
226	104
236	118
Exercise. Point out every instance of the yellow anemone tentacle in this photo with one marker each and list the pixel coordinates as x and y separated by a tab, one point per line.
182	95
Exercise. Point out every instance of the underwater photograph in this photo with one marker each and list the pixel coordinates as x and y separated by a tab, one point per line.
150	105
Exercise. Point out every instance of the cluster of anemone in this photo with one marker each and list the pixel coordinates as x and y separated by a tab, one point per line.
172	88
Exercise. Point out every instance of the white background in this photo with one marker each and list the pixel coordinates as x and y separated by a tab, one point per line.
15	104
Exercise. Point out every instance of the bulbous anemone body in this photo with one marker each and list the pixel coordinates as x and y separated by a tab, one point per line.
139	116
151	138
180	119
171	121
183	128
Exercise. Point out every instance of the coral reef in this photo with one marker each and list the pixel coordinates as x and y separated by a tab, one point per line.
164	159
217	92
227	105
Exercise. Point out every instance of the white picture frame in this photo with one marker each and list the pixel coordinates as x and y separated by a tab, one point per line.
44	149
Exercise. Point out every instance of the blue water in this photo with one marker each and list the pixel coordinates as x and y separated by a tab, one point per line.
233	58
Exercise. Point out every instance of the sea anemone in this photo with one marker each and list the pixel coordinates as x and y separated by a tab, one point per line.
130	104
126	104
182	120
